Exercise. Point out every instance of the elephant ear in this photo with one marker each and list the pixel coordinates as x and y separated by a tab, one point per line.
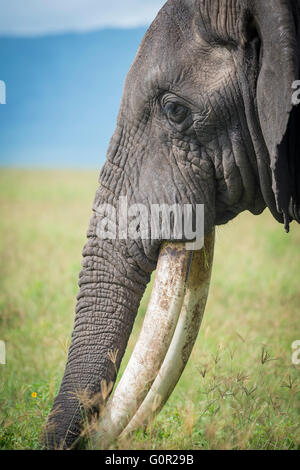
277	23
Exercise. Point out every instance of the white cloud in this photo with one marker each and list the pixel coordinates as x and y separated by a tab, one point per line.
39	17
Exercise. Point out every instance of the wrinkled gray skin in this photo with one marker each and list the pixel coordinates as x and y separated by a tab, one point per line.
189	130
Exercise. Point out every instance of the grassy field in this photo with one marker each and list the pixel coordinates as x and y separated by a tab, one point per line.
240	389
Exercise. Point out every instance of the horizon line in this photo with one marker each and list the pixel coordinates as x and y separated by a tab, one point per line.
70	32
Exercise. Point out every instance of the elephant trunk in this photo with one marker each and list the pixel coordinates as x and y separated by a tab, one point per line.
114	276
110	292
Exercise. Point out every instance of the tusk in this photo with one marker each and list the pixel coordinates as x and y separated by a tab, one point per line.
152	345
184	337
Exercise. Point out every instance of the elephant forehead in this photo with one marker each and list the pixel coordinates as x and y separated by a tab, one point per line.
199	22
175	56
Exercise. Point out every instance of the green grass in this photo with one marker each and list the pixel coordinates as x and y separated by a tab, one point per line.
239	390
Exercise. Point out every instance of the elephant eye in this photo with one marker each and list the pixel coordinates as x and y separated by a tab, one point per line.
175	112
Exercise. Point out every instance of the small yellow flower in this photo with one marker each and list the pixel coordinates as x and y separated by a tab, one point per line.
34	395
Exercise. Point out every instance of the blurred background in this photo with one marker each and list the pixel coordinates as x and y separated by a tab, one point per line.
64	63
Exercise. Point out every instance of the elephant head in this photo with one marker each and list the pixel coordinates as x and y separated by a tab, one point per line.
206	118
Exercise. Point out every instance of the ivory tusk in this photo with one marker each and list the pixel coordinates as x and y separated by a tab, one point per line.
152	345
184	337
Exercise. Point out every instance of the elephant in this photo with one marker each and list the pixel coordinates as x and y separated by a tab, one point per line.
207	118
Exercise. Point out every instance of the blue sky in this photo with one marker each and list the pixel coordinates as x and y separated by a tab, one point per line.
64	64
